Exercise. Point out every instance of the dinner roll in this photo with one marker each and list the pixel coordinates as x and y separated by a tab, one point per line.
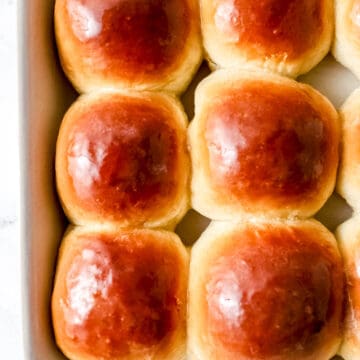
153	44
348	235
348	182
122	158
285	36
346	45
265	290
120	295
261	144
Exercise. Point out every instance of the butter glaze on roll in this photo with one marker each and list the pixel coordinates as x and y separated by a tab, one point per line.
122	158
346	45
284	36
120	295
348	181
348	235
265	290
261	145
153	45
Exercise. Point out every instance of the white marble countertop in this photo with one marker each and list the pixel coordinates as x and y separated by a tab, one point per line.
10	314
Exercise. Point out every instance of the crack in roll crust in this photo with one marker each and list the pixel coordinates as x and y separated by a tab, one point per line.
267	290
128	43
288	36
261	144
122	158
120	295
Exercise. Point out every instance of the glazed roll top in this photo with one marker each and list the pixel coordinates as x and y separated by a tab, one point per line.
348	182
120	295
346	45
128	43
348	235
122	158
265	290
261	145
288	36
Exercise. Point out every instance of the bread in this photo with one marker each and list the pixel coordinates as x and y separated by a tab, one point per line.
265	290
346	45
121	158
288	37
348	182
261	145
153	45
120	294
348	235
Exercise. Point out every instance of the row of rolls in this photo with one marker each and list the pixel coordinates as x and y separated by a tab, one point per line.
264	281
157	45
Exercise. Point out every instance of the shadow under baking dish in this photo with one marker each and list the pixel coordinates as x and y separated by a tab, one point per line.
45	95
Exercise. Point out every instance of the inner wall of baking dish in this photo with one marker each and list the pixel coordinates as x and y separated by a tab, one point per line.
45	96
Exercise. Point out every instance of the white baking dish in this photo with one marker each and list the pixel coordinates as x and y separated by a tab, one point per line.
44	97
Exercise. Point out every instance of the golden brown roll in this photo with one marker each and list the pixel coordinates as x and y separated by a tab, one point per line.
346	45
288	36
265	290
122	158
348	181
348	235
261	144
153	44
120	295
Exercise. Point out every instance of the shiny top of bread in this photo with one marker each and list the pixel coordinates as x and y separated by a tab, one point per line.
121	157
120	294
265	290
152	44
271	27
261	144
284	36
